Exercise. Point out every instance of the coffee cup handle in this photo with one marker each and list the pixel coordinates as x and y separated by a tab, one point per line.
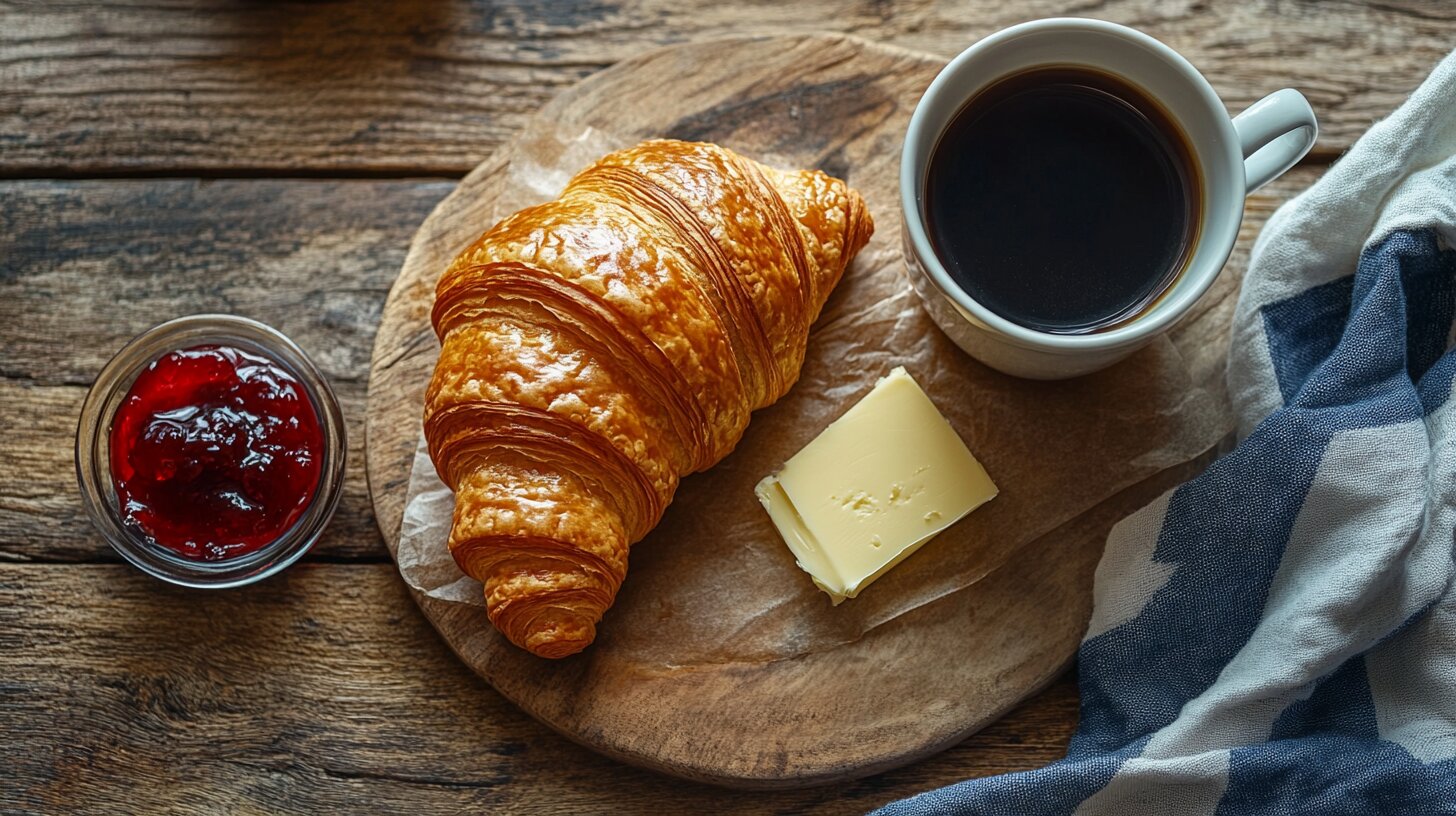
1274	134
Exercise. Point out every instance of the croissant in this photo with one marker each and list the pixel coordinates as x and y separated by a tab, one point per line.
598	347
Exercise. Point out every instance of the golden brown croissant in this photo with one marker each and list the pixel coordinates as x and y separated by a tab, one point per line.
597	347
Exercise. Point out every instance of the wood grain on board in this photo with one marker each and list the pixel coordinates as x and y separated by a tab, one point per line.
840	104
436	85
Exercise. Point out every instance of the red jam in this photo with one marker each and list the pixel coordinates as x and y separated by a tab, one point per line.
215	452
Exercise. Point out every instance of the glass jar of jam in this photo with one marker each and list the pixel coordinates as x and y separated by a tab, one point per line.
211	451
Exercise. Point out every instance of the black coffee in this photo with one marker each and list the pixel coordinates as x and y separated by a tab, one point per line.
1063	199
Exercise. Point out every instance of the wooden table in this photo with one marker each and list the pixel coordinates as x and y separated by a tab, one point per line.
272	160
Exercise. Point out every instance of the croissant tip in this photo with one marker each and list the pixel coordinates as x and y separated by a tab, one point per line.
559	635
557	649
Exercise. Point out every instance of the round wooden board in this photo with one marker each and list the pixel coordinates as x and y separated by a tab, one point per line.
902	690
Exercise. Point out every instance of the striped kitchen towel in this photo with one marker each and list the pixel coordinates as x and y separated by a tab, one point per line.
1278	636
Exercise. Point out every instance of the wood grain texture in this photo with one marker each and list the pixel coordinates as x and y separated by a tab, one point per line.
321	690
324	691
436	85
84	266
839	104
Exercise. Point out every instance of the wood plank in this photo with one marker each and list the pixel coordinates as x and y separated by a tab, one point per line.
435	85
84	266
323	690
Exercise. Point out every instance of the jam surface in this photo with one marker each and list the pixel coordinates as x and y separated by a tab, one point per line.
215	452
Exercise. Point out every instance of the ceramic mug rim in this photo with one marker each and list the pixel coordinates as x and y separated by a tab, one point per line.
1214	249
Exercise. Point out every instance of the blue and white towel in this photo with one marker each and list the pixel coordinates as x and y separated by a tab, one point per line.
1278	636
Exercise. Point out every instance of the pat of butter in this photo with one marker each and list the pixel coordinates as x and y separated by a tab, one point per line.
873	487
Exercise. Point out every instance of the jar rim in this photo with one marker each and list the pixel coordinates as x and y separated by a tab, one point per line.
93	431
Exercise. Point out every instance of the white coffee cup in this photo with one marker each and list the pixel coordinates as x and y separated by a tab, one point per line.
1234	157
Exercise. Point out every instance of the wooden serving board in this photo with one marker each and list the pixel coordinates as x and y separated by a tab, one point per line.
897	691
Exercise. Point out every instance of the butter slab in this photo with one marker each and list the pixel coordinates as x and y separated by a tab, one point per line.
873	487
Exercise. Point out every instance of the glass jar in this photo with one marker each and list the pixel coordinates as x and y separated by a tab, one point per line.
93	443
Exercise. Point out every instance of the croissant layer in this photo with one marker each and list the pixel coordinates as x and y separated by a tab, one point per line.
598	347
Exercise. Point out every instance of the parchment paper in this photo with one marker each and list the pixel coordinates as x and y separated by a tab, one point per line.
714	583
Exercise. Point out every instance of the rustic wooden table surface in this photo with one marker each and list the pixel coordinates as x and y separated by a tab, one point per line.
271	159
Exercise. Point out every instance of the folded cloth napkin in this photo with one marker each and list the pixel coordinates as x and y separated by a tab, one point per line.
1278	636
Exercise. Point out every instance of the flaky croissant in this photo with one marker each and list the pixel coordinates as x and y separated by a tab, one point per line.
597	347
